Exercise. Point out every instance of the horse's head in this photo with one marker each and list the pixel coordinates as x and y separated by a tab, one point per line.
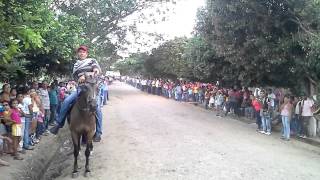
89	91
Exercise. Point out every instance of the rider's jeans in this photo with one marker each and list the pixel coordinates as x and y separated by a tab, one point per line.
65	106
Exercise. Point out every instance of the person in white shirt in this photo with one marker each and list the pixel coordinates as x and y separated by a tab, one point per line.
306	114
26	108
297	117
45	100
272	98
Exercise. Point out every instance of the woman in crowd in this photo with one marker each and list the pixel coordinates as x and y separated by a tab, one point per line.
5	94
35	110
13	94
286	114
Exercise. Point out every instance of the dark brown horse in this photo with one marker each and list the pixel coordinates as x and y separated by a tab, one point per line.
82	121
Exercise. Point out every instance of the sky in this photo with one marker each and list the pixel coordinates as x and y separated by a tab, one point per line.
180	21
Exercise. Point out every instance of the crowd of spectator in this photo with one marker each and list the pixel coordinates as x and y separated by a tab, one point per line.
27	111
267	107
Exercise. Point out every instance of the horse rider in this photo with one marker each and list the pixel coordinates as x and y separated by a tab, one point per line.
82	66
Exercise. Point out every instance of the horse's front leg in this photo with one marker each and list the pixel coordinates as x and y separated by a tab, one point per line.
76	148
87	153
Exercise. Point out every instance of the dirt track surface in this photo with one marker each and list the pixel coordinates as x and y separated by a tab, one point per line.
151	138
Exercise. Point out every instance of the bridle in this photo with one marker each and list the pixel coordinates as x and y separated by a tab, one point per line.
90	84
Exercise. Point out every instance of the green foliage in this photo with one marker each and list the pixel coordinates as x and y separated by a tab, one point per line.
263	42
38	36
133	65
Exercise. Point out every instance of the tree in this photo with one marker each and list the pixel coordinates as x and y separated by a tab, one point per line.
260	39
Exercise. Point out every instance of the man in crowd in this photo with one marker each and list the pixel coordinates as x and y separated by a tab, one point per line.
45	100
306	114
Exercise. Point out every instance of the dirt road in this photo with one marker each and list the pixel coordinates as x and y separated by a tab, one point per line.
151	138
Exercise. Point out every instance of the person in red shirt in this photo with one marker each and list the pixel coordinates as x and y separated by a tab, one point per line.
257	107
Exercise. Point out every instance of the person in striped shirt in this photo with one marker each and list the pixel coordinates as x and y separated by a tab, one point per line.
82	66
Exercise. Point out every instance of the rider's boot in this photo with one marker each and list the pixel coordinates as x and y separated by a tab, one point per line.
54	130
96	138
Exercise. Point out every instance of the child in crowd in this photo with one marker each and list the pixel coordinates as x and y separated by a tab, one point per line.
15	116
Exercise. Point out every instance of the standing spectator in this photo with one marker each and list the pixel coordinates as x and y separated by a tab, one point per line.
13	94
7	122
257	107
294	119
178	92
35	105
190	94
45	102
219	100
35	86
5	94
196	92
53	95
272	98
247	105
105	92
26	108
265	113
16	128
286	113
232	102
297	117
143	84
207	98
20	107
61	95
153	84
306	113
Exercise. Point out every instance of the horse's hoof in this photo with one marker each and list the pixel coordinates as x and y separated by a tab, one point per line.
75	174
87	174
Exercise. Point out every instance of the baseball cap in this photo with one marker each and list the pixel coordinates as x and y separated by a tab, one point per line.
82	47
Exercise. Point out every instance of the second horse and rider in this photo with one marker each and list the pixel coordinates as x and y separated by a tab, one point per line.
81	67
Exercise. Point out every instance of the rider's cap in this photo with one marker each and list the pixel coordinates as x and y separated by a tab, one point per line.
82	47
